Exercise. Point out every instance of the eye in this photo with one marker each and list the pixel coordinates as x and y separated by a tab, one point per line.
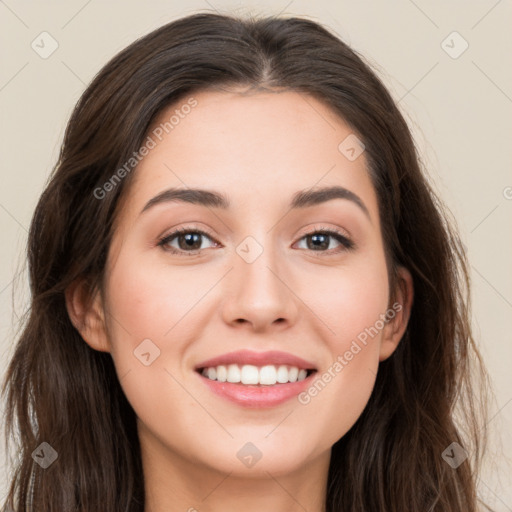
188	240
320	240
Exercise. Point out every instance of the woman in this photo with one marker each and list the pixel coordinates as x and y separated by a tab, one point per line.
307	352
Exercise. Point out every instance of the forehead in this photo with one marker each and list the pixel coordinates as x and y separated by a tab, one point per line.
249	145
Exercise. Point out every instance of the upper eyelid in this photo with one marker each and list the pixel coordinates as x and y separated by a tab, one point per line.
162	240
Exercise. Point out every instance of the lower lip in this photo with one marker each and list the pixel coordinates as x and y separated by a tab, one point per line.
260	396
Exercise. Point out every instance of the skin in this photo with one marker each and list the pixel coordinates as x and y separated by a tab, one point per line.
258	149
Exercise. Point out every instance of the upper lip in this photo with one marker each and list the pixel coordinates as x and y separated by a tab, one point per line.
273	357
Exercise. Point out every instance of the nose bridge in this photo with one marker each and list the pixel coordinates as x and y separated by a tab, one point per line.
257	263
259	294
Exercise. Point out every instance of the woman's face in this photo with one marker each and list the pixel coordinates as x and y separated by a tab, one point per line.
265	277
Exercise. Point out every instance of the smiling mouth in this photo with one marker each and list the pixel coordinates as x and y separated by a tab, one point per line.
251	375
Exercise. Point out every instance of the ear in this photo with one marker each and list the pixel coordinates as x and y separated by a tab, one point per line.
398	313
86	312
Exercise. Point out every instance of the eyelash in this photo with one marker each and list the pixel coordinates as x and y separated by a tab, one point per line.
337	235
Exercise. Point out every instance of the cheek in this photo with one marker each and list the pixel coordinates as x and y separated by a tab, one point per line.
150	312
349	300
148	302
148	330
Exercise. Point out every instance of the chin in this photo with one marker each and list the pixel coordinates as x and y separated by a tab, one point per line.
258	457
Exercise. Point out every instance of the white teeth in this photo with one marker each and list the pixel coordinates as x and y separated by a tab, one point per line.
282	374
293	373
233	373
222	373
249	374
268	375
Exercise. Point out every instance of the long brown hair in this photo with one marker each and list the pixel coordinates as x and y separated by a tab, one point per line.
61	391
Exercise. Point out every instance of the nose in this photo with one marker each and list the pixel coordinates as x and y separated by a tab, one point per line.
259	294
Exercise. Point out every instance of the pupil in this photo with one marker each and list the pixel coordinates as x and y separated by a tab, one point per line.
315	238
191	238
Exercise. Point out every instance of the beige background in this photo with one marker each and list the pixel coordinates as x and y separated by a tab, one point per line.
460	110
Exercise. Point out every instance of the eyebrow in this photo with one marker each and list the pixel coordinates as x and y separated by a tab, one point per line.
211	199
